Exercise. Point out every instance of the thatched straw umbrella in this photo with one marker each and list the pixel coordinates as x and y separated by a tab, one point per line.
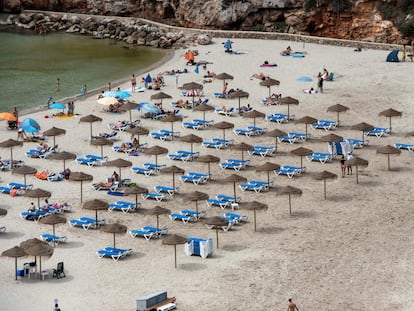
331	138
388	150
239	94
324	176
100	141
338	108
288	101
389	113
172	118
268	83
306	120
96	205
10	143
115	229
254	114
255	206
242	147
3	212
90	119
160	96
362	127
14	252
208	159
80	176
156	150
224	76
173	170
35	247
217	222
301	152
119	163
275	133
233	178
157	211
37	193
268	167
128	107
195	196
136	190
174	240
357	162
409	134
24	170
224	126
191	139
290	191
64	155
53	220
54	131
204	108
137	130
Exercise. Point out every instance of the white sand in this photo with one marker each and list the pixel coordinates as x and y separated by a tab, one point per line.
353	251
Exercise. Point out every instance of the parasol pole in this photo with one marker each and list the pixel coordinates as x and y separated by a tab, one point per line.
290	206
254	213
217	238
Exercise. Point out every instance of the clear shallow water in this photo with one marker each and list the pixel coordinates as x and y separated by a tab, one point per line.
30	65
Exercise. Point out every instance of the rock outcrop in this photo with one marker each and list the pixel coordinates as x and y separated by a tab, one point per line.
361	22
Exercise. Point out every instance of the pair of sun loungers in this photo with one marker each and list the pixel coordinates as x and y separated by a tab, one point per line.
197	124
86	223
112	136
256	186
290	171
326	125
129	147
154	196
46	175
357	143
378	132
278	118
123	206
10	191
234	164
165	135
114	253
123	125
228	112
91	160
167	190
183	155
195	178
148	232
263	151
409	147
5	165
41	153
251	131
53	239
218	143
35	215
187	216
19	186
148	169
223	201
320	156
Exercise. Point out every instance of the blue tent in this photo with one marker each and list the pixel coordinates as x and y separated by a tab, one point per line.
148	79
393	57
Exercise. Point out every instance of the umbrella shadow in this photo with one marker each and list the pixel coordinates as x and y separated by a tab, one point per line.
370	183
71	244
192	266
11	234
270	230
339	197
233	247
304	214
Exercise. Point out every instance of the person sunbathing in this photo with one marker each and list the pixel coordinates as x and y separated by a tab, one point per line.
286	52
210	74
260	76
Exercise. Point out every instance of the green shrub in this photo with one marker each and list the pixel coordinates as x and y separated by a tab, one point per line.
407	29
309	5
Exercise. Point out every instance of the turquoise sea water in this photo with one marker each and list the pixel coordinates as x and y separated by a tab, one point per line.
30	65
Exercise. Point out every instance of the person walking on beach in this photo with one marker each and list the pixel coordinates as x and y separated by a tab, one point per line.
109	86
133	83
56	307
320	82
58	85
16	114
343	166
49	100
292	306
349	167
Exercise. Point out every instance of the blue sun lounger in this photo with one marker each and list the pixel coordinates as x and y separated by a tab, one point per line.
164	189
301	136
263	151
409	147
204	123
153	196
228	198
253	187
155	167
50	238
195	214
216	202
212	144
114	253
235	166
320	156
196	180
286	139
357	143
18	186
88	162
178	156
142	233
264	184
192	125
245	132
141	170
238	218
257	130
155	230
160	136
184	218
226	142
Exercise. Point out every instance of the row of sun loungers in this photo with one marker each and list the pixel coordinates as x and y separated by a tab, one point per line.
168	190
41	153
129	147
7	164
409	147
195	178
53	239
263	151
378	132
251	131
45	211
279	118
111	136
123	206
326	125
148	169
114	253
256	185
320	156
187	216
91	160
228	112
86	223
123	125
290	170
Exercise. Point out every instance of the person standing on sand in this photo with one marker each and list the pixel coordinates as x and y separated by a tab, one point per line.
320	82
58	85
292	306
109	86
133	83
404	53
343	166
349	167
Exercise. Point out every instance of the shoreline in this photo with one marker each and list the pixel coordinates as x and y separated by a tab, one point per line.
166	58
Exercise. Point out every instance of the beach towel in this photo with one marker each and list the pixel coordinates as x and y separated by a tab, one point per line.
310	91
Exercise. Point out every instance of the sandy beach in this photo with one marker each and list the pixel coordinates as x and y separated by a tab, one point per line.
352	251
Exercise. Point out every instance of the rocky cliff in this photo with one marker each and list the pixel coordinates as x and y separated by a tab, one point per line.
326	18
